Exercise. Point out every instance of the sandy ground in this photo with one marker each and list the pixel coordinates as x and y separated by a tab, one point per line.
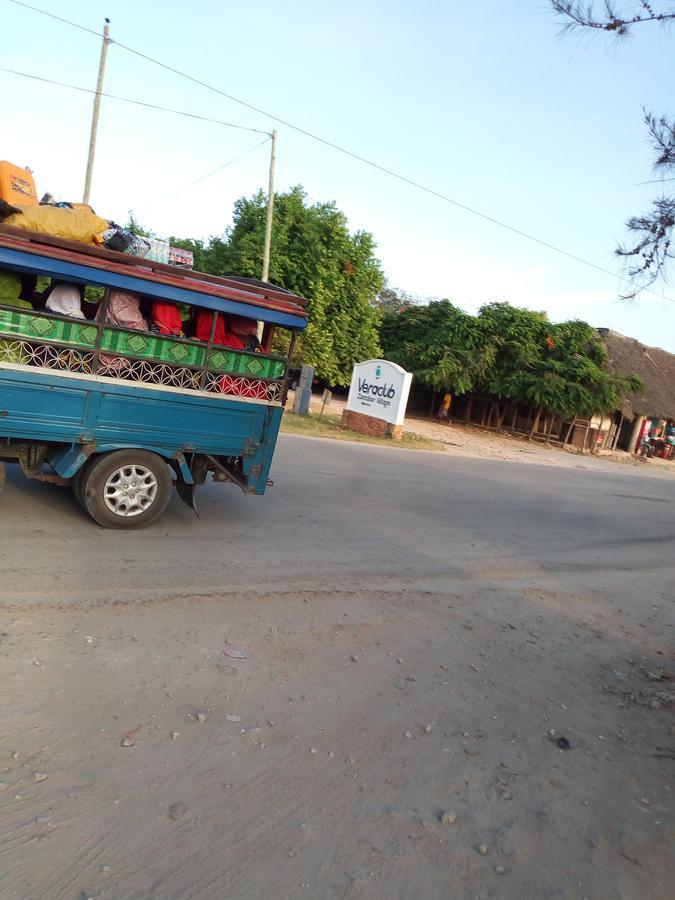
418	632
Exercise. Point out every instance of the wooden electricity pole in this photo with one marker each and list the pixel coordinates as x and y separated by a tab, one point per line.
270	212
97	105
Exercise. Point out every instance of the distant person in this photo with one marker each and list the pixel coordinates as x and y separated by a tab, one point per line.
221	336
65	299
247	332
165	318
444	409
10	295
10	290
123	309
648	445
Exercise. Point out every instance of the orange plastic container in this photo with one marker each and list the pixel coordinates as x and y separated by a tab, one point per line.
17	185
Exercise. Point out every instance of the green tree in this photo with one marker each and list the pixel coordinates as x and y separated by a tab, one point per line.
510	354
394	300
571	377
440	344
315	255
517	336
197	248
135	227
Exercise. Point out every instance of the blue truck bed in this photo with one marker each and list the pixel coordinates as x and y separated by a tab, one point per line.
79	415
125	414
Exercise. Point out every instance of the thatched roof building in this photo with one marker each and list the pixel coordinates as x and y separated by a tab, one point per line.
656	367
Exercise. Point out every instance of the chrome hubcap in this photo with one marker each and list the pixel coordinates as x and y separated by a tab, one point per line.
130	490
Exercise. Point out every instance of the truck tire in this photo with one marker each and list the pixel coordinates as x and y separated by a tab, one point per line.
126	488
79	480
3	474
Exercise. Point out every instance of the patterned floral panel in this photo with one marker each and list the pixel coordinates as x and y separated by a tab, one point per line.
66	359
46	356
243	387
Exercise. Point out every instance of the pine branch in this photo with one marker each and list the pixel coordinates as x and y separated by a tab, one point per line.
583	15
648	258
662	133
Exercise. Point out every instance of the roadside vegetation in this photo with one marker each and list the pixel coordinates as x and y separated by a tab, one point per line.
329	426
514	356
315	255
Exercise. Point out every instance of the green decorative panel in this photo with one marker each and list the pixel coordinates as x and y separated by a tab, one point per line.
142	344
88	335
252	365
150	346
29	326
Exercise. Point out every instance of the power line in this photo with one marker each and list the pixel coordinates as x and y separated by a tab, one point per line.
356	156
178	112
654	181
208	175
58	18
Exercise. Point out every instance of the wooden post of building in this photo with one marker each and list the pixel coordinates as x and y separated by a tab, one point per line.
569	431
586	433
636	434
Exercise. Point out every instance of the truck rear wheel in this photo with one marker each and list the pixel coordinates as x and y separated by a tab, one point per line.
126	488
79	481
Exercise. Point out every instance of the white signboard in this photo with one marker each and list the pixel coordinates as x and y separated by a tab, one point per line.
380	389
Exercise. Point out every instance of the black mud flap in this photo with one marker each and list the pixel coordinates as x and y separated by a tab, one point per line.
2	476
186	492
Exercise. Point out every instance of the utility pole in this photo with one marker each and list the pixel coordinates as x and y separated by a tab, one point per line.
97	105
270	212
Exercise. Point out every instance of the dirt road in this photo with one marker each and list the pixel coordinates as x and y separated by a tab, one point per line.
460	439
419	630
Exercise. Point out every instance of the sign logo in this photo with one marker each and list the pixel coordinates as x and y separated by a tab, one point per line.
379	389
384	390
21	186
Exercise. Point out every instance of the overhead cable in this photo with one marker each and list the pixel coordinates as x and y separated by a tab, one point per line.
207	175
368	162
144	103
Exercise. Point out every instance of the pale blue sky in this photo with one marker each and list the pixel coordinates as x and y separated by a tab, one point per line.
482	101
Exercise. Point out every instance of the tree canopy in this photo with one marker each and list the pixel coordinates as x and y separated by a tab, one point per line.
394	300
440	344
315	255
648	252
509	354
